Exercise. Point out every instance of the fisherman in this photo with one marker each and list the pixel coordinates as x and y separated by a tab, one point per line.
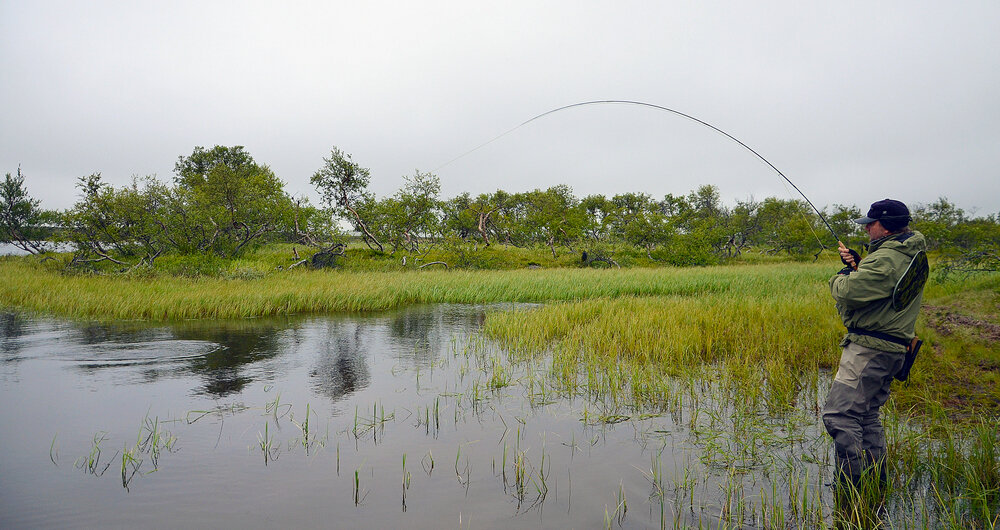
879	311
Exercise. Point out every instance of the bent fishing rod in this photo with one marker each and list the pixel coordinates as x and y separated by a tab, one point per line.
658	107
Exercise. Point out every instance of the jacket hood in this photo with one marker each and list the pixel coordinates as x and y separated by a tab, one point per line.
909	243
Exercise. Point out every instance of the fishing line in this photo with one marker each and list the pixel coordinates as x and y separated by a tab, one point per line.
806	219
658	107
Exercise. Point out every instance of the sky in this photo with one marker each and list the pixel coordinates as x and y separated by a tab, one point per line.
852	101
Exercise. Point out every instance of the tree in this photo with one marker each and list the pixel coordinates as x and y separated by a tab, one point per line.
118	225
242	200
967	244
787	225
502	215
413	213
841	218
640	222
457	217
21	220
343	186
600	218
939	221
553	216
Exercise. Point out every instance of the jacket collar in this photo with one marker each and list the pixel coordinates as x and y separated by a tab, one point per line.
874	245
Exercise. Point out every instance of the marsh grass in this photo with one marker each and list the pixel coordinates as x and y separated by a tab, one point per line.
91	463
755	346
38	287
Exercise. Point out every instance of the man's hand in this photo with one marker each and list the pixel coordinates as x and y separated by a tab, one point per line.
848	256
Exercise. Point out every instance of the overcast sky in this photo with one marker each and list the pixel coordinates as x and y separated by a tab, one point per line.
853	101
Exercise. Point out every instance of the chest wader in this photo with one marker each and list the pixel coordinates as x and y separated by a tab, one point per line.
861	387
851	413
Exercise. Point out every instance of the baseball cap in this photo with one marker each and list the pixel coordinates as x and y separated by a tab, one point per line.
893	214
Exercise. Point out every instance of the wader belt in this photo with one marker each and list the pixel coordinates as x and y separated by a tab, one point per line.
879	335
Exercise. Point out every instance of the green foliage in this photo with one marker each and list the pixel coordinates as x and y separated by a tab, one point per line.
851	233
413	214
552	217
118	224
640	222
343	187
225	203
222	203
460	218
690	249
966	244
601	215
22	222
225	189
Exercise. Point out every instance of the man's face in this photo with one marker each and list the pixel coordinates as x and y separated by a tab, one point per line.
875	230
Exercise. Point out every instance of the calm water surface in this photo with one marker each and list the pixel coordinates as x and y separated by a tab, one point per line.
410	423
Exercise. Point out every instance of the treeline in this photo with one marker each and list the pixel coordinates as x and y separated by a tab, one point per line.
221	201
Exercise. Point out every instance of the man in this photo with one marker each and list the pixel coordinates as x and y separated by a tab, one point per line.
878	334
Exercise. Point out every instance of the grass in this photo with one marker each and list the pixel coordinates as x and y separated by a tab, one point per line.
765	334
42	287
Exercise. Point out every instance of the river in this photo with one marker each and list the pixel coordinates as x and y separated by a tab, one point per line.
408	418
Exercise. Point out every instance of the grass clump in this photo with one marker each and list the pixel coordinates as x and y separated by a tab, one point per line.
767	330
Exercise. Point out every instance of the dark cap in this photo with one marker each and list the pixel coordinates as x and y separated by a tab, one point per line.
892	214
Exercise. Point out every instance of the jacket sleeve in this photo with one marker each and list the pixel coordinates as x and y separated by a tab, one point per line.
869	283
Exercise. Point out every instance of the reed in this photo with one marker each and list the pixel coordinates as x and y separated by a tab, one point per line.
767	342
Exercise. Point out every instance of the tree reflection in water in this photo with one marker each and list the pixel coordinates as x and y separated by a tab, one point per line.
219	352
340	368
227	356
239	344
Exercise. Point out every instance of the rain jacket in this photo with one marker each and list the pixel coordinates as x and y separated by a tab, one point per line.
864	297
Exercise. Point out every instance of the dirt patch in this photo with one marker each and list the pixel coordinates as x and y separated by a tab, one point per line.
945	321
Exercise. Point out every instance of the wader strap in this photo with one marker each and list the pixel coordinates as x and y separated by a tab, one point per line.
879	335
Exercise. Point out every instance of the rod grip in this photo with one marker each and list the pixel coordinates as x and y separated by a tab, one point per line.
841	246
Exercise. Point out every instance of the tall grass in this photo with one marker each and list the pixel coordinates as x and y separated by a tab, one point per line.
31	286
765	330
761	344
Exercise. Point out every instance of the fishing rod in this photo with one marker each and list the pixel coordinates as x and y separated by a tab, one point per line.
658	107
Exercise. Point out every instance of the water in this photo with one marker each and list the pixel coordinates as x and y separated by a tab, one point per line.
210	418
8	249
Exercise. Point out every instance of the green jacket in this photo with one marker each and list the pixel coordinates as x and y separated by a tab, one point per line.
864	297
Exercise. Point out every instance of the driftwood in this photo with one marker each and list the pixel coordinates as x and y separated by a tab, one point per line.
609	261
433	263
324	258
103	257
587	259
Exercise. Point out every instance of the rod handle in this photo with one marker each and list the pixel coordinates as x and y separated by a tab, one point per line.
841	246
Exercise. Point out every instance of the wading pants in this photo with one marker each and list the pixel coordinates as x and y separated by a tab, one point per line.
851	413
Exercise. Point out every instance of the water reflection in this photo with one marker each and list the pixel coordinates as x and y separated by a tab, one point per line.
422	333
238	345
227	356
12	327
340	367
